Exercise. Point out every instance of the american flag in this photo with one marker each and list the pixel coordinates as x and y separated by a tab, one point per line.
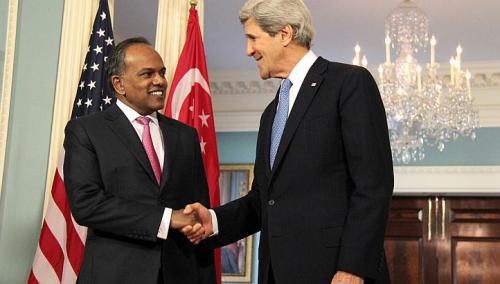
60	249
189	101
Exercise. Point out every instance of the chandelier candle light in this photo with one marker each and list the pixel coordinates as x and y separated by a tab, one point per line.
422	109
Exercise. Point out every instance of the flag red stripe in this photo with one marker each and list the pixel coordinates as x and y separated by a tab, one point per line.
51	250
74	245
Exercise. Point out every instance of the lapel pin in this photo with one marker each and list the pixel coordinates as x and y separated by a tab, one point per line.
313	84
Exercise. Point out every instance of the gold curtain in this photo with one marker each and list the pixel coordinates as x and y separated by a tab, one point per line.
171	31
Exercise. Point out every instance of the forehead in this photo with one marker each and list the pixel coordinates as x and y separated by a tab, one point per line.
140	56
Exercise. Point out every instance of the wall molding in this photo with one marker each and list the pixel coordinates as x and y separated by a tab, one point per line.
447	180
240	96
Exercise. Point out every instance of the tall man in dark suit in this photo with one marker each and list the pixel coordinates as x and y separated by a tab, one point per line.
323	167
126	171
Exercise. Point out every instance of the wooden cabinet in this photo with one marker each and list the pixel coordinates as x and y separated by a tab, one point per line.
444	240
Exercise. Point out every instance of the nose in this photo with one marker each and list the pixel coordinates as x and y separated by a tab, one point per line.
250	49
160	79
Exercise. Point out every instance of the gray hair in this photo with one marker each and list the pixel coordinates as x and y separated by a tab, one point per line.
115	64
273	15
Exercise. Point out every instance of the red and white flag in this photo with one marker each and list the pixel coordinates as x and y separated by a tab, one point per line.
59	253
189	101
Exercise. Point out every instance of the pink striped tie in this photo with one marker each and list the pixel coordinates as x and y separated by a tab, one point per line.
147	142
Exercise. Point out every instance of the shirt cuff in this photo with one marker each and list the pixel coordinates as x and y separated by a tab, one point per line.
215	224
165	224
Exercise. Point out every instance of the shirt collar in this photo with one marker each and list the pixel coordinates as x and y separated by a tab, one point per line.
132	115
300	70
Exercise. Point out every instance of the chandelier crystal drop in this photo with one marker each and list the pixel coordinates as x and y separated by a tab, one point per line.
422	109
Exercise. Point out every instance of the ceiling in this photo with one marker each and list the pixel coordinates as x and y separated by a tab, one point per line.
339	25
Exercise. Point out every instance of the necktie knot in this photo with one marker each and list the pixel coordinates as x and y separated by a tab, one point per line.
144	120
285	87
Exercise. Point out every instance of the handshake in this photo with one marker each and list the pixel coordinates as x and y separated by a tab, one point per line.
194	221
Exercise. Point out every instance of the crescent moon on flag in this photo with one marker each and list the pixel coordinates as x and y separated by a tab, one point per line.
183	89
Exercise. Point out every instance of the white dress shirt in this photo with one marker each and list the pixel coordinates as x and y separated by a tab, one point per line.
298	75
158	144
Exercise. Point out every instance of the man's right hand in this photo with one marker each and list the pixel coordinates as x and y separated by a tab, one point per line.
180	220
198	233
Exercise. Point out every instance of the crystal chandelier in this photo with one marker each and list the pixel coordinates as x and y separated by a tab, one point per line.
422	109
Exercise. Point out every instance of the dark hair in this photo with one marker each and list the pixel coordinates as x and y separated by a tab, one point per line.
115	65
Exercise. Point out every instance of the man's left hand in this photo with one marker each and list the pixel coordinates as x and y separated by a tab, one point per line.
342	277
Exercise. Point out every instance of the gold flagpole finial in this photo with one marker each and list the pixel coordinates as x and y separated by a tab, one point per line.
193	3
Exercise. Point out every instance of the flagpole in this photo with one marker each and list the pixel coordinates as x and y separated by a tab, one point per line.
193	3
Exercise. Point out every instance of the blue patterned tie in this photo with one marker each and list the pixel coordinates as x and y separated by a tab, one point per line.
280	119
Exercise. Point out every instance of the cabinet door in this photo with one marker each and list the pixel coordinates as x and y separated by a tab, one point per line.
469	240
409	243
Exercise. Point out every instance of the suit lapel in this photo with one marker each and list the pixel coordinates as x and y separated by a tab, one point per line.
308	90
170	138
122	127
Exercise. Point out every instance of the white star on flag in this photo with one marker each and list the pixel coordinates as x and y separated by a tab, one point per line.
79	103
98	49
107	100
82	85
100	32
94	67
91	84
109	41
202	145
103	16
84	66
105	58
88	103
204	118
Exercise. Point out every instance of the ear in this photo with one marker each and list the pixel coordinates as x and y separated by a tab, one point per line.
118	85
287	35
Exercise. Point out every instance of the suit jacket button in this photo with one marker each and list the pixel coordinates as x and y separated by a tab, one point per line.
271	202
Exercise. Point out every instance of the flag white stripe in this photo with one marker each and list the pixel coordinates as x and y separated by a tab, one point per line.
69	275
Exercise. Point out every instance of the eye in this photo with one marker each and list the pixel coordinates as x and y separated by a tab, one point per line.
147	74
162	72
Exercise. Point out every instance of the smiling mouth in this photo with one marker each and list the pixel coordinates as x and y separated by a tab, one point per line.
158	93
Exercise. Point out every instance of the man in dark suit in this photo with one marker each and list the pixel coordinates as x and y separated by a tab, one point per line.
128	171
323	168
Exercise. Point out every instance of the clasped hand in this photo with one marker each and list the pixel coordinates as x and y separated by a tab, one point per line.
194	221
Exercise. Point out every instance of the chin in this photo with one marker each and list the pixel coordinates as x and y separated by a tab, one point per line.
264	76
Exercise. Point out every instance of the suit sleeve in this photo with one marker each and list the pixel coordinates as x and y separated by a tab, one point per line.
242	217
369	160
93	207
